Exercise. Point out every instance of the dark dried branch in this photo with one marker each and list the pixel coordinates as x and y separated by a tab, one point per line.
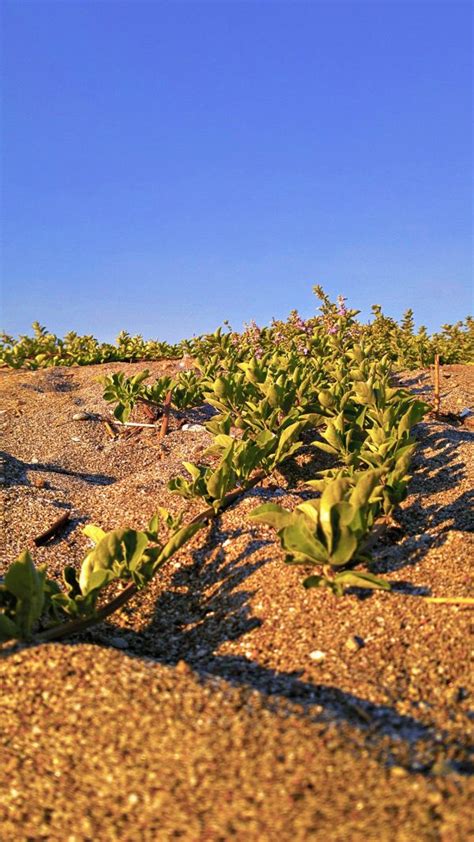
52	530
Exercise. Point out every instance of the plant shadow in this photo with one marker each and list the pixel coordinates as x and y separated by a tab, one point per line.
204	606
425	523
16	472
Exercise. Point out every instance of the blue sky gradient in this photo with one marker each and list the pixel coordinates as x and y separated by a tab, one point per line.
168	165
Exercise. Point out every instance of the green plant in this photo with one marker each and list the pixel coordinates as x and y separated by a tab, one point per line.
342	439
329	532
212	484
238	459
126	392
268	385
29	599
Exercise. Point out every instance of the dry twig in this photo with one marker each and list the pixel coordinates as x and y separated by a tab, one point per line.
48	533
450	600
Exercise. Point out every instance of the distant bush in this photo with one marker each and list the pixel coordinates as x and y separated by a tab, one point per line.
405	346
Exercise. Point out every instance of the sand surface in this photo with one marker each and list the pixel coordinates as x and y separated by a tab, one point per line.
226	702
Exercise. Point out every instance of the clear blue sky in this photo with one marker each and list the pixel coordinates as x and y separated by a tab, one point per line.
167	165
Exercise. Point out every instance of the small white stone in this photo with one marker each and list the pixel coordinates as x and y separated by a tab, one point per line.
226	542
194	428
317	655
75	438
34	461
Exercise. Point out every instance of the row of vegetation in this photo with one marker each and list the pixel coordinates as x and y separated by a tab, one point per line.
328	385
404	346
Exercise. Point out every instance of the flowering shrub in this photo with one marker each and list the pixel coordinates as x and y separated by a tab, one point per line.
405	347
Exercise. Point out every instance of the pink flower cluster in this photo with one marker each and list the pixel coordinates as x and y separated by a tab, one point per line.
342	307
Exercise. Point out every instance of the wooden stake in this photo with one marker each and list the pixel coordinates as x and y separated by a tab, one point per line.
166	415
437	397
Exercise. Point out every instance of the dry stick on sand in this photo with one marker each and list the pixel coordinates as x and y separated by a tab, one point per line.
134	424
166	415
451	600
76	626
48	533
110	430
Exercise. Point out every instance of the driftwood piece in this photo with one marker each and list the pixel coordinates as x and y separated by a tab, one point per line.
55	527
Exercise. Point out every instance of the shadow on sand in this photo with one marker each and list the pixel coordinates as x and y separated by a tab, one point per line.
204	606
190	626
16	471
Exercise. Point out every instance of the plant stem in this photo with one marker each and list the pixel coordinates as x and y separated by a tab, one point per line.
76	626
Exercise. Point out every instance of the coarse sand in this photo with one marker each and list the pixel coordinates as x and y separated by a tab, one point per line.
225	701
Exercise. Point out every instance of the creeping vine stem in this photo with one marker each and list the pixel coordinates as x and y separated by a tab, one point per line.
76	626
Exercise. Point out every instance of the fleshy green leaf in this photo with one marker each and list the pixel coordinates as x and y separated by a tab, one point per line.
192	469
344	547
122	412
313	582
352	579
310	508
123	547
26	582
287	438
298	540
332	494
8	629
273	515
95	533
